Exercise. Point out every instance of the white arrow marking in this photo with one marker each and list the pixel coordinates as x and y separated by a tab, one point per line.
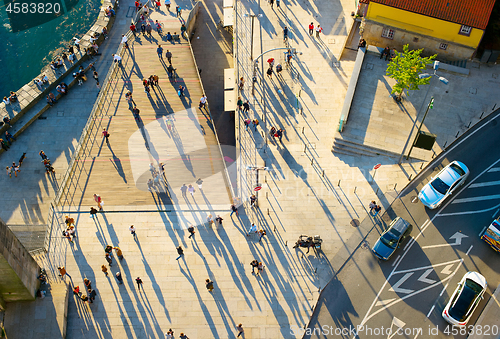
423	277
458	241
447	269
395	287
398	323
384	302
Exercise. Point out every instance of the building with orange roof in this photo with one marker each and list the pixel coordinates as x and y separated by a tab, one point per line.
452	29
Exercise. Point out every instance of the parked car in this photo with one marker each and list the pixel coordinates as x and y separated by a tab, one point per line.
399	229
465	299
442	185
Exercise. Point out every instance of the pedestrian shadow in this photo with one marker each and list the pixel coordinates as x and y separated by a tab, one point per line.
117	164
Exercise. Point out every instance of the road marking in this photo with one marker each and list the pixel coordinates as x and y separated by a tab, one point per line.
494	169
447	270
466	186
446	286
432	309
458	241
485	184
395	287
496	213
395	261
479	235
367	315
429	266
384	302
399	324
408	244
469	250
423	277
484	197
469	212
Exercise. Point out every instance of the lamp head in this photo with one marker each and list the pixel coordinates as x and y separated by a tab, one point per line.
424	75
444	80
436	65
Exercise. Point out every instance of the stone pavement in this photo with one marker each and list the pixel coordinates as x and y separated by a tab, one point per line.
377	120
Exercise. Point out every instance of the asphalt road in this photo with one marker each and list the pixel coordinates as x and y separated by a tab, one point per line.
404	297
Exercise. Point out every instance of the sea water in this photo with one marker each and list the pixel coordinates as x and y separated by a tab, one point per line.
23	54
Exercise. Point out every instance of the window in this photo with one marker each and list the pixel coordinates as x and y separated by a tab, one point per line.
443	46
387	33
465	30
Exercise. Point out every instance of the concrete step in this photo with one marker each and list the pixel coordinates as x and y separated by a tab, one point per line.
342	145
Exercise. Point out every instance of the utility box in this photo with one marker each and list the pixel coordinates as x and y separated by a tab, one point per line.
425	140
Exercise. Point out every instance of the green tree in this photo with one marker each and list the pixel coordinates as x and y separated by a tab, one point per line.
405	68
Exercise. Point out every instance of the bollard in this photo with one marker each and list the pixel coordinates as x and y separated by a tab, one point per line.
355	189
268	211
469	124
316	270
266	195
495	105
262	134
456	136
396	184
305	148
312	161
301	111
302	130
410	177
323	174
481	116
376	193
286	243
339	183
444	146
274	228
422	165
265	179
302	255
433	155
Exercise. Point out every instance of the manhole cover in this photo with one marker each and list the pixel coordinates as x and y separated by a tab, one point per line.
364	245
414	199
354	222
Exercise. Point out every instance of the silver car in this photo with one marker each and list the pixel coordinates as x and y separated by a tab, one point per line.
442	185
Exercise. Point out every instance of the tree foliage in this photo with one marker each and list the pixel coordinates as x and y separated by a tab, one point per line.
405	68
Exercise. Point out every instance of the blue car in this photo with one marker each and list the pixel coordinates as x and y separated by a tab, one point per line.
399	229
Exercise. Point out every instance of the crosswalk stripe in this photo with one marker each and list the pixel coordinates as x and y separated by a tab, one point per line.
485	197
494	169
485	184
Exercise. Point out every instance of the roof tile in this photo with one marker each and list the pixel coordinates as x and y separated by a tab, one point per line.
474	13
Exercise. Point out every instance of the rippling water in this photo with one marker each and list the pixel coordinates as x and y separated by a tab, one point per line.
23	54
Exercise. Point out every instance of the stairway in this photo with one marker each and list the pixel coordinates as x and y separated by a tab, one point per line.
347	147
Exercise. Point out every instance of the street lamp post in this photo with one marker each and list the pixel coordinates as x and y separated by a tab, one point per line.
423	76
251	39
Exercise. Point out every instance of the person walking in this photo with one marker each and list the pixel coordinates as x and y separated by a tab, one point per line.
311	29
285	29
279	68
92	295
180	91
183	336
280	134
180	252
106	135
209	285
253	199
132	231
118	276
119	252
372	206
62	272
4	145
253	229
168	55
104	269
319	29
254	265
191	231
241	83
9	137
191	190
234	209
87	283
199	182
9	171
43	155
262	233
124	41
240	330
93	212
139	283
178	11
210	220
184	189
219	220
170	333
260	268
15	169
203	101
246	106
109	259
239	103
159	51
99	201
271	2
255	123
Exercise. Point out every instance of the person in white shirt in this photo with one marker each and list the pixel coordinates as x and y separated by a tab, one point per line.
117	58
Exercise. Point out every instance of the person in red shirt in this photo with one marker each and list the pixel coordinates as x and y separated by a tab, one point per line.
132	28
311	29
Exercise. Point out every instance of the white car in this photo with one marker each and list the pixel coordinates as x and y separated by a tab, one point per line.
465	299
443	184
